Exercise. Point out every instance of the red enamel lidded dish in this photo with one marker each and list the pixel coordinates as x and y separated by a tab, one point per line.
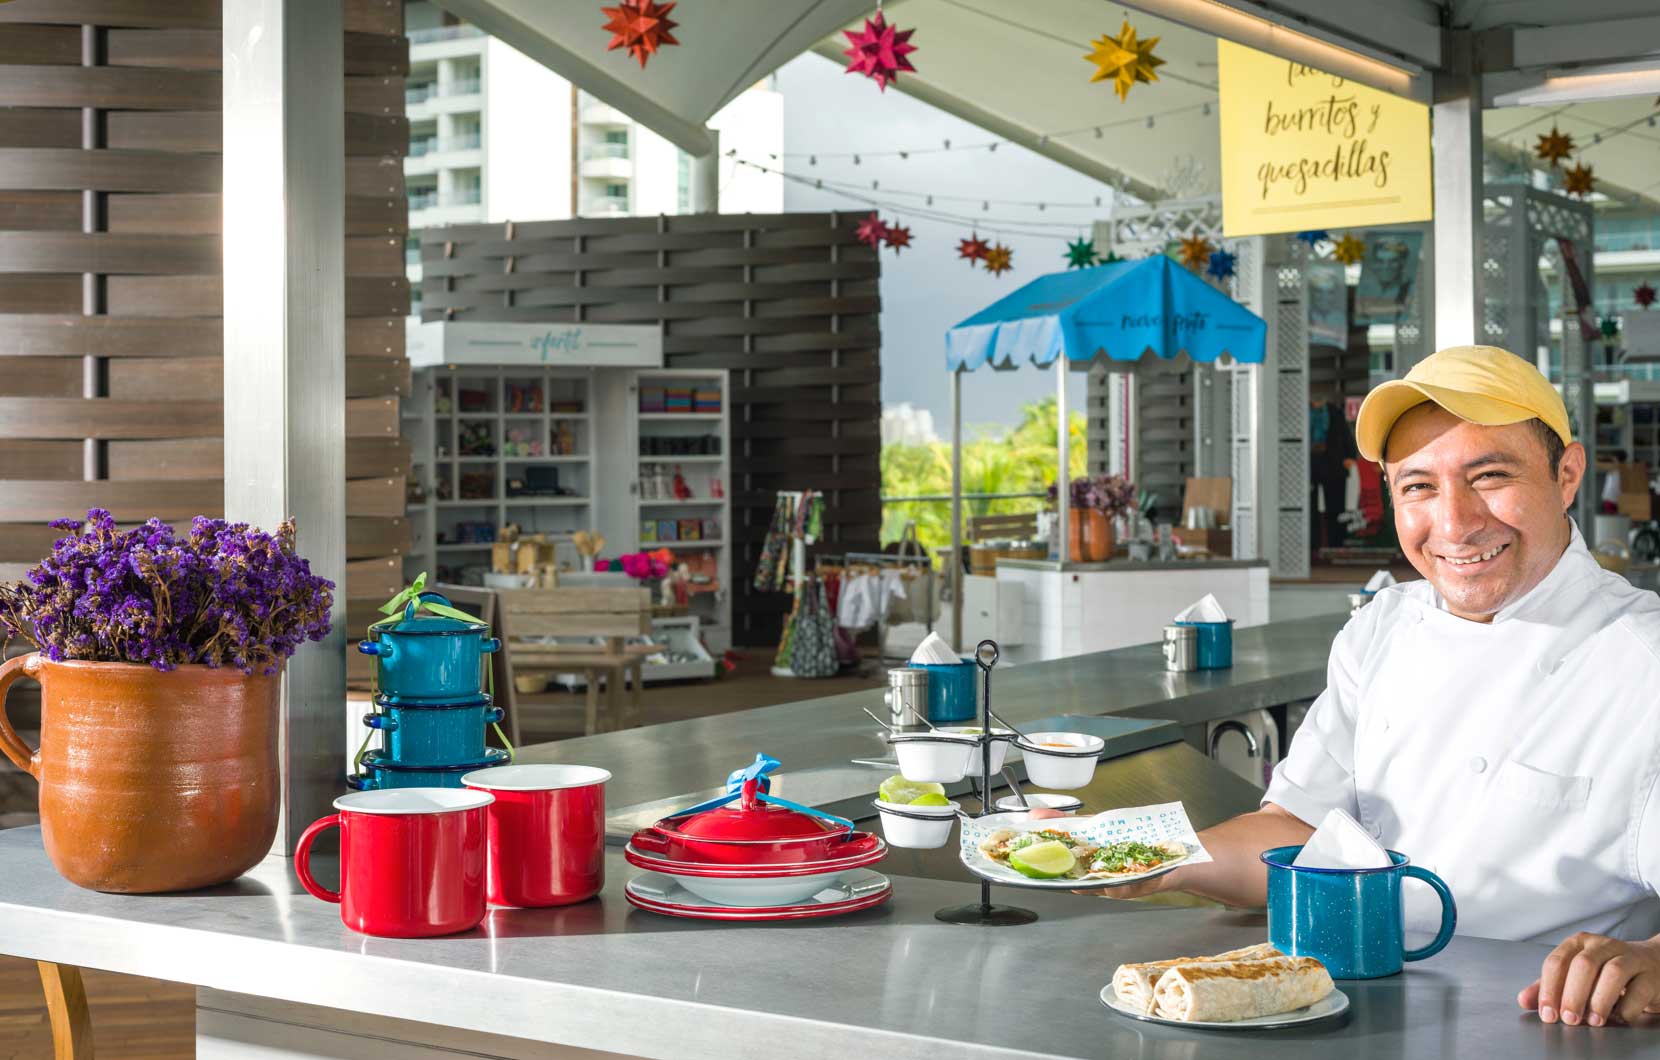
753	835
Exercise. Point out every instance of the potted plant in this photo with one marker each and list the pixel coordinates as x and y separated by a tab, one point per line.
1096	501
159	657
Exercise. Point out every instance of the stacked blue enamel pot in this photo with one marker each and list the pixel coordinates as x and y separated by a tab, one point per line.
430	705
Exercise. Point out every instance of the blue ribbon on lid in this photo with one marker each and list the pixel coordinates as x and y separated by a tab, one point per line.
758	771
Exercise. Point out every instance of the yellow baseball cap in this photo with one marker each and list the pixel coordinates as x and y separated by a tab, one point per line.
1481	384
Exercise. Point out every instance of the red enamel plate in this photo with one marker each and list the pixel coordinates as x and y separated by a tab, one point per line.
863	889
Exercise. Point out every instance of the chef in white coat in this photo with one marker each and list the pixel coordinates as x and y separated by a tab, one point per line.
1499	721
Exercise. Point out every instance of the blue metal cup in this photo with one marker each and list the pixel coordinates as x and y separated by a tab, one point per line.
428	657
1350	919
950	691
1215	642
435	734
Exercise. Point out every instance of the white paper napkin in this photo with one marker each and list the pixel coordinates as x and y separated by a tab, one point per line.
1341	843
1381	580
933	651
1204	610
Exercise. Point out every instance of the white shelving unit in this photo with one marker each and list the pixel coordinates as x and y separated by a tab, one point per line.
496	445
697	446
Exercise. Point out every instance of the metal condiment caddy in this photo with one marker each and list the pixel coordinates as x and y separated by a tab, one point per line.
984	912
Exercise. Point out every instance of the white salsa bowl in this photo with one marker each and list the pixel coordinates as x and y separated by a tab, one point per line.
1058	766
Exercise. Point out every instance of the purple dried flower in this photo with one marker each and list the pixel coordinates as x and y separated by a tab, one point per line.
228	594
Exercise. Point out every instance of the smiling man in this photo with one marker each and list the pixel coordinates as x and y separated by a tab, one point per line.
1498	721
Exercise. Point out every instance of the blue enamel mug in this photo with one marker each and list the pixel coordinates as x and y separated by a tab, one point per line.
950	691
1350	919
434	733
429	658
1215	643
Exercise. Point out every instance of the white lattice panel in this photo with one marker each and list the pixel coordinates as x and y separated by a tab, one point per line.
1243	394
1291	403
1244	534
1293	544
1244	473
1290	335
1293	474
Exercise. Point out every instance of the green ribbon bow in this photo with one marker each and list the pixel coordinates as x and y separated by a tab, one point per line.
400	607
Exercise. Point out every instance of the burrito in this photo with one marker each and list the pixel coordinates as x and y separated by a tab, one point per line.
1133	983
1239	990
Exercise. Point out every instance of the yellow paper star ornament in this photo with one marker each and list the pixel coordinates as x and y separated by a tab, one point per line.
1124	59
1350	250
1195	251
1577	180
1554	146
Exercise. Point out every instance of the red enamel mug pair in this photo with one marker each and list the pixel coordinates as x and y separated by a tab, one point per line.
418	862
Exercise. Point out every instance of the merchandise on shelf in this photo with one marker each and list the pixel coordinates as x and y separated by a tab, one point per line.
690	529
562	438
706	400
668	530
680	445
653	399
478	485
677	399
648	531
475	533
477	438
711	530
521	441
474	399
524	397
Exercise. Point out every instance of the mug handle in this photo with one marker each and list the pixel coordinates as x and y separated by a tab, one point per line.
10	743
302	858
1449	914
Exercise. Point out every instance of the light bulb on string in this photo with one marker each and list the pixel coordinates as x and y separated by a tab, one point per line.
873	185
1097	132
904	155
1205	110
812	160
985	206
994	145
1149	121
948	145
1043	140
855	159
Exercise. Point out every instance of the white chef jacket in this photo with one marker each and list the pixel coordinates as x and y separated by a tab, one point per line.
1517	759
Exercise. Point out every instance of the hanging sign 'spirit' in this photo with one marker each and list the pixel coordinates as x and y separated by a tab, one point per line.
1303	149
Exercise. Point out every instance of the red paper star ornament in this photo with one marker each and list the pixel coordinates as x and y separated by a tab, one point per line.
879	51
998	259
641	26
972	249
1645	294
871	231
897	236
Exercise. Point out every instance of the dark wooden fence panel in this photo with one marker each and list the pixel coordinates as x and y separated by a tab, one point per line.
787	303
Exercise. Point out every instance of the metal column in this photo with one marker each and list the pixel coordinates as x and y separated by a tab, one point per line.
705	178
956	510
1456	141
285	369
1063	475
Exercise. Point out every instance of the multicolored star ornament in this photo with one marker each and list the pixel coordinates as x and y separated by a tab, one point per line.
1314	236
1080	253
879	51
1221	264
1350	250
1124	59
897	236
1196	250
871	231
998	259
1609	326
1578	180
1554	146
1644	295
641	26
972	249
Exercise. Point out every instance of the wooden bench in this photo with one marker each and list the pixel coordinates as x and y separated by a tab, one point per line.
1022	527
578	612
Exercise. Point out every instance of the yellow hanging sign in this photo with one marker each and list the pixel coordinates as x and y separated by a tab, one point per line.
1303	149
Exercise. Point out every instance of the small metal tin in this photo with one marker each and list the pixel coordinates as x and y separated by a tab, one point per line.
907	697
1358	601
1181	648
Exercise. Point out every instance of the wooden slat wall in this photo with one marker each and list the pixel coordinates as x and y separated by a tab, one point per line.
788	303
110	288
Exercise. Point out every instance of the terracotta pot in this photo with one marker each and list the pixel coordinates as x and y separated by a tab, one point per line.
1090	536
150	781
1098	542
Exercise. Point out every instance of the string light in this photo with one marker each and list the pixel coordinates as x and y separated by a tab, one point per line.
858	190
1149	121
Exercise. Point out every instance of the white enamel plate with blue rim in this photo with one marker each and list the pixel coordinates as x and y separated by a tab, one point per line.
1148	824
1331	1005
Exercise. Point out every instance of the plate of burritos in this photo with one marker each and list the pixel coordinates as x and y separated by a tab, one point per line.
1256	987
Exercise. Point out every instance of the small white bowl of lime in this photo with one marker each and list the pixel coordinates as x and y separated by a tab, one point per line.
915	815
942	758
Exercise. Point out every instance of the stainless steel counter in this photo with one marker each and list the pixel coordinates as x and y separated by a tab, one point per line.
817	739
891	983
1130	565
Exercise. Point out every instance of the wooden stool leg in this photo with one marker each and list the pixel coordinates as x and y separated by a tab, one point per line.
613	698
66	1008
634	699
591	702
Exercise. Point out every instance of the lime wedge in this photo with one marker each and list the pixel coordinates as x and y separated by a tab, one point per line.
898	790
932	798
1043	861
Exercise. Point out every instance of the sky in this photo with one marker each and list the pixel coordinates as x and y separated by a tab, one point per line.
926	288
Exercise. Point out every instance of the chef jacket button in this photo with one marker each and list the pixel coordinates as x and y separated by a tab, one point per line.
1478	764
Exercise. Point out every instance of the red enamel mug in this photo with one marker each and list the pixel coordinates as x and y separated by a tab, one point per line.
547	832
411	860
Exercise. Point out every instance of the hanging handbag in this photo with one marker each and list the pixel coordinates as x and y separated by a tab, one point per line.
912	604
813	647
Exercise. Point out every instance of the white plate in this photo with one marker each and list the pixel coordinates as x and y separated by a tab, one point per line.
1325	1008
983	866
842	887
1167	821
